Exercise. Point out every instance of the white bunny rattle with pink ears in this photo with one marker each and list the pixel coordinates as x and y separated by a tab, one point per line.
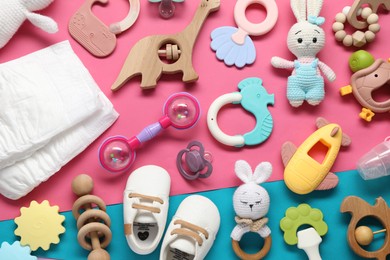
251	203
305	39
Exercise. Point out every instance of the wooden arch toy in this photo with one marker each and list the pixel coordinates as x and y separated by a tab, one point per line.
373	4
359	210
144	59
92	223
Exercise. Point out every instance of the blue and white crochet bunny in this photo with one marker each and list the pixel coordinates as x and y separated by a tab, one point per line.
305	39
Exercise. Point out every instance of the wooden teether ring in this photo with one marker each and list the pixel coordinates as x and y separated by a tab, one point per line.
259	255
87	199
94	227
260	28
95	215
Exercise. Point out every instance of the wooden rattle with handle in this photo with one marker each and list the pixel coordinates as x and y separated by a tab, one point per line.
364	235
92	223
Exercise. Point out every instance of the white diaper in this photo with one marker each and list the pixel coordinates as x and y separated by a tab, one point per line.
42	95
53	110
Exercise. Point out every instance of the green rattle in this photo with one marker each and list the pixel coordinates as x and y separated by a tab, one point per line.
360	60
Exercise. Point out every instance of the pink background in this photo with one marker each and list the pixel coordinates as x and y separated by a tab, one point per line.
139	108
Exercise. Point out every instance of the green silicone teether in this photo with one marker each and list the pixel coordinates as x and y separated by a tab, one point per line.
301	215
360	60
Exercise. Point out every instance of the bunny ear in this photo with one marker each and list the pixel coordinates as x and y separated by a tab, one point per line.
262	172
299	9
243	171
314	7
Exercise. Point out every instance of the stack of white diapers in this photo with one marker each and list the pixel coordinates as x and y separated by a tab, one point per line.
50	110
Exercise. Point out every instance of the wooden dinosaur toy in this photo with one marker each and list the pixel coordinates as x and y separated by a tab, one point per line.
302	173
144	57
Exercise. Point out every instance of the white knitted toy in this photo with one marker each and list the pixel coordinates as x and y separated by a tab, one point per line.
305	39
251	201
14	12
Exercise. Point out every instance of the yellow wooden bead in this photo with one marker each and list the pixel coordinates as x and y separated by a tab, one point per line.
364	235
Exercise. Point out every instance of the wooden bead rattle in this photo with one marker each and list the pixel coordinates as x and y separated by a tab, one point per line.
171	52
92	223
358	38
356	7
361	236
144	58
364	235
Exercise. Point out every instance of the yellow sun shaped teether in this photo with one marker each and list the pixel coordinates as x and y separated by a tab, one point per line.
39	225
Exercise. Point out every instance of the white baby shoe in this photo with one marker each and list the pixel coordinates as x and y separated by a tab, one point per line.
192	230
145	207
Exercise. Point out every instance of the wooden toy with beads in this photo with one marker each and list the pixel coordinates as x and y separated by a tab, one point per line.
92	223
373	5
144	58
358	38
363	235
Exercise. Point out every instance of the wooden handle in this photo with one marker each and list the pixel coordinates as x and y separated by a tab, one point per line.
259	255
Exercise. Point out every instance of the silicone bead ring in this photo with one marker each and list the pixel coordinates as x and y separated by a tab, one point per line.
259	28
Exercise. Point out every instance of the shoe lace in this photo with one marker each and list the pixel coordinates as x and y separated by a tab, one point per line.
146	197
190	230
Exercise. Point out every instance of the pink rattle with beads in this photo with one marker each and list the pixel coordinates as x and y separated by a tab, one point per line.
117	153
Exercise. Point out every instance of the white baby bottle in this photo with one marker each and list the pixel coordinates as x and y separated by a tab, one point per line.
375	163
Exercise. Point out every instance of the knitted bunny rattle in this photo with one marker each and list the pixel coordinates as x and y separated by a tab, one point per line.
251	204
14	12
305	39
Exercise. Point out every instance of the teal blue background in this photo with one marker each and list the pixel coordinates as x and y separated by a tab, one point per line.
333	246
